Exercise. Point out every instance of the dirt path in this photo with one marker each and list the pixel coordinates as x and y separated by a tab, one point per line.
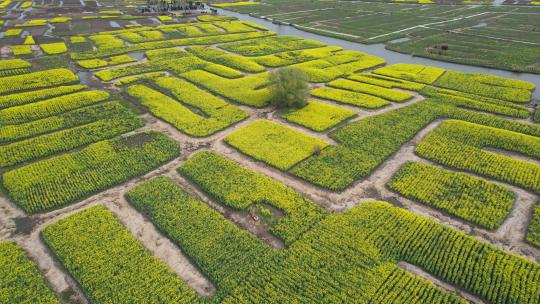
160	246
57	276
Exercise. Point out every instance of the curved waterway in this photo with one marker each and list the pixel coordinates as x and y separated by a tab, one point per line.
391	57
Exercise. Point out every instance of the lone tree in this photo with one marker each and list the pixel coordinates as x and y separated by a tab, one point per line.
289	87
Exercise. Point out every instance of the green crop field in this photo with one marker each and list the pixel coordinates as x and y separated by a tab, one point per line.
145	157
505	37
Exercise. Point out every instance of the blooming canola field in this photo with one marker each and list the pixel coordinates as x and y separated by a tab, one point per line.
145	163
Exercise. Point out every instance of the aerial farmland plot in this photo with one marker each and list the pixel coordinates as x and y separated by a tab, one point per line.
148	157
468	32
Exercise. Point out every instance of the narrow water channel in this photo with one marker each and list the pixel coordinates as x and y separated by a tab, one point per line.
391	57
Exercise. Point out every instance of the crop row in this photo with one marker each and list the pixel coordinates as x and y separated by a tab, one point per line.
242	63
462	145
64	179
334	263
54	48
274	144
533	233
78	117
215	108
218	113
473	199
297	56
109	264
20	279
18	99
247	90
270	45
107	41
237	187
389	94
350	256
317	116
50	107
447	254
107	52
179	62
228	27
475	102
64	140
139	78
411	72
363	145
142	36
19	50
349	97
194	30
99	63
11	72
222	250
223	71
478	84
366	143
386	82
164	54
487	85
37	80
9	64
338	64
173	60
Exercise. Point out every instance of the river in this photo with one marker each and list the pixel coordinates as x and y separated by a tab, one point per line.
391	57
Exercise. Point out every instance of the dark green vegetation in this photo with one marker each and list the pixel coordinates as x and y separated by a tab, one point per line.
504	37
289	87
